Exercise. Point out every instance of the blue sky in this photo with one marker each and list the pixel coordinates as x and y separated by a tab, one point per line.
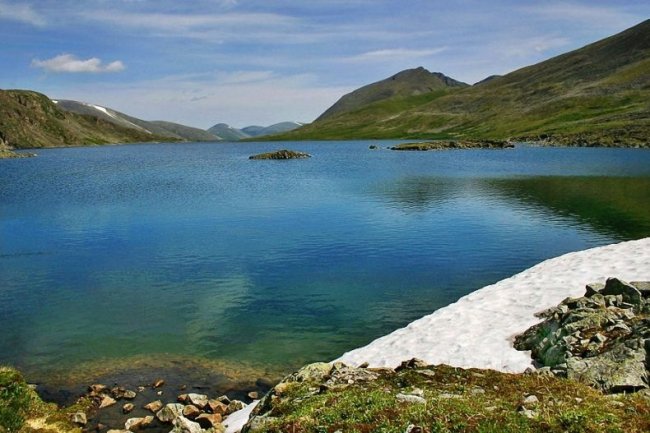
246	62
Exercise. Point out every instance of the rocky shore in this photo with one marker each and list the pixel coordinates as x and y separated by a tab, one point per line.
601	339
455	144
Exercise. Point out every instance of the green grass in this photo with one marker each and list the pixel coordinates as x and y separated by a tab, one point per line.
22	411
597	95
457	401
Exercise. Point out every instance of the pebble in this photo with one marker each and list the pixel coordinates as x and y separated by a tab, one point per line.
128	407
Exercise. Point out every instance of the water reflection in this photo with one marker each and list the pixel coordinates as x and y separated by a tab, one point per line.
616	206
612	206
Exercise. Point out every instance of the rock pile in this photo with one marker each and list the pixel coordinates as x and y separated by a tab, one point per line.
602	338
193	413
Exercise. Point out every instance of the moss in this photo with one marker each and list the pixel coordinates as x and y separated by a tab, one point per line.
22	411
458	401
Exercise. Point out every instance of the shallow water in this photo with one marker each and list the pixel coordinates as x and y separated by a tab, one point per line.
165	250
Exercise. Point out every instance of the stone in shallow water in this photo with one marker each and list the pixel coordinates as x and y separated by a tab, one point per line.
198	400
170	412
184	425
154	406
106	402
207	420
191	411
132	424
128	407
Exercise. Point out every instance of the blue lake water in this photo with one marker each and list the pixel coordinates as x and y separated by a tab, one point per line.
159	250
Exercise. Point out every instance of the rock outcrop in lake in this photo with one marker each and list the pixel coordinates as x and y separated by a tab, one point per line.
602	338
281	154
454	144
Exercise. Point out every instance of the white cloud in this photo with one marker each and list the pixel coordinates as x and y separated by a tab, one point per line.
394	54
239	98
23	13
67	63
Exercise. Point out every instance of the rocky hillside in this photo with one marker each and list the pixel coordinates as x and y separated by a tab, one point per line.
31	120
159	128
594	96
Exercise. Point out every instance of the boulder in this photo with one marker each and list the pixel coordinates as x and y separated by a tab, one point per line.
207	420
217	407
184	425
170	412
616	287
190	411
198	400
154	406
134	424
106	402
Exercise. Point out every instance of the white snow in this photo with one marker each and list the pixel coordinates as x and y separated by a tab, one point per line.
121	119
104	110
478	330
236	420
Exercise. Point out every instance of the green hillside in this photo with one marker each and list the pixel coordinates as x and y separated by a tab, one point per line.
596	95
31	120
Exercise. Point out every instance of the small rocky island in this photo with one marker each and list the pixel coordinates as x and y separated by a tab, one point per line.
455	144
281	154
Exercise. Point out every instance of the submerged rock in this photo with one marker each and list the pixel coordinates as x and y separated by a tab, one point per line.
281	154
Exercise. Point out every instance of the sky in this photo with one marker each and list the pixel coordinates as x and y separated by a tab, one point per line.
258	62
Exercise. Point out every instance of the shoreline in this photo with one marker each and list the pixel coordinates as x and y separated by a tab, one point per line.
457	334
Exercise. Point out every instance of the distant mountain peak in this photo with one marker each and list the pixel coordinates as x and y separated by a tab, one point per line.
409	82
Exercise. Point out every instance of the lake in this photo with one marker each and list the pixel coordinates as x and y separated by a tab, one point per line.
161	254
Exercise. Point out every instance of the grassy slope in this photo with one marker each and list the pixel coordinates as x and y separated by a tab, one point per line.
30	120
457	401
599	93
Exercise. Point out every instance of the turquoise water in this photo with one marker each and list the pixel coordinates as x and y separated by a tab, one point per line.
158	250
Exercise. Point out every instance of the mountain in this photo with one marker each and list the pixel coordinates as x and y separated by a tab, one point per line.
161	128
411	82
596	95
186	132
30	120
229	133
260	131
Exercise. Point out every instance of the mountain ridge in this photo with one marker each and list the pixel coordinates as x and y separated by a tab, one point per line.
595	95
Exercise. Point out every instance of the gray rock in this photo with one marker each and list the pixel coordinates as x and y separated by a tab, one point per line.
184	425
79	418
170	412
133	424
531	400
616	287
593	289
154	406
198	400
643	287
410	398
315	372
